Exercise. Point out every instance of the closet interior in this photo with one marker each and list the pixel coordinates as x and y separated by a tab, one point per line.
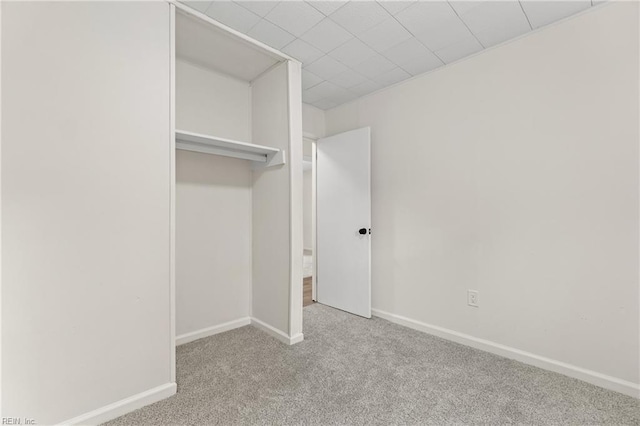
238	183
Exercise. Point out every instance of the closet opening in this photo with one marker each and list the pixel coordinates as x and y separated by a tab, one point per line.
237	185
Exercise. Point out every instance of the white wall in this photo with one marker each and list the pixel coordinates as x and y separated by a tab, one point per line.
85	206
271	204
313	121
213	241
515	173
213	204
307	200
211	103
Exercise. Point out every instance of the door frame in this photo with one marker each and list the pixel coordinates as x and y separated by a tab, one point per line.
313	139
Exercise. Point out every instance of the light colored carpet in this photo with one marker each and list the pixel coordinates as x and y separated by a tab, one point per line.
351	370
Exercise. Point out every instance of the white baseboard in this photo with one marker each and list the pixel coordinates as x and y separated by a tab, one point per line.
210	331
278	334
296	339
593	377
124	406
241	322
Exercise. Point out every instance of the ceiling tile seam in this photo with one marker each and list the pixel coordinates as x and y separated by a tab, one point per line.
207	8
337	47
417	39
256	24
262	18
277	26
311	87
300	37
326	16
348	66
436	55
356	71
310	3
240	3
397	65
408	30
465	24
391	47
330	82
481	52
364	31
305	33
527	17
400	66
250	11
352	34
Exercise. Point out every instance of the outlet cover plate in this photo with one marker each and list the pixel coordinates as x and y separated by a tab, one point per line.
472	298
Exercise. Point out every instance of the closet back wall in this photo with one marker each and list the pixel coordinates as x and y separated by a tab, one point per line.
213	204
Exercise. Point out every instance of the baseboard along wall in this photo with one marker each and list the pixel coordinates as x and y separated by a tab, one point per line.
124	406
127	405
593	377
278	334
210	331
241	322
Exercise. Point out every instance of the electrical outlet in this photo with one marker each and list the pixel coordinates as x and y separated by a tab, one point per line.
472	298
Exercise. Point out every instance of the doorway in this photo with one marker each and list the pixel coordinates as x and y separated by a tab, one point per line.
309	211
337	235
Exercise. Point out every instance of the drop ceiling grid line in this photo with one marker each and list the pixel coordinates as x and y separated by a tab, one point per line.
277	26
350	68
381	53
465	24
344	71
326	16
354	36
315	25
260	18
242	3
314	85
487	49
434	54
527	16
481	52
419	41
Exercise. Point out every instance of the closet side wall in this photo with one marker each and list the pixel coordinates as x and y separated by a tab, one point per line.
85	207
271	214
213	204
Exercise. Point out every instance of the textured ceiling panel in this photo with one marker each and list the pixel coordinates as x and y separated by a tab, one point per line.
352	48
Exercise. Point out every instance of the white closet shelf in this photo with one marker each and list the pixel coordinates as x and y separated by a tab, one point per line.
262	156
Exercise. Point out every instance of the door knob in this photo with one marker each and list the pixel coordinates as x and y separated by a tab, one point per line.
362	231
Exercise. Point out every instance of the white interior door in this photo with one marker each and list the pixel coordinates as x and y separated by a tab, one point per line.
343	221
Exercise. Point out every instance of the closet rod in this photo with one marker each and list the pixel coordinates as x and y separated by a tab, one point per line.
265	156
